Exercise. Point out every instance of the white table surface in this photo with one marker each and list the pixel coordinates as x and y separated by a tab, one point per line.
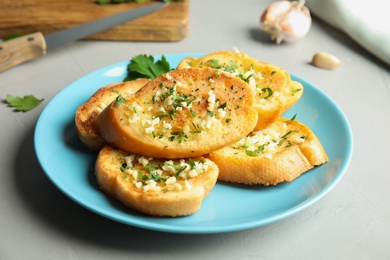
37	221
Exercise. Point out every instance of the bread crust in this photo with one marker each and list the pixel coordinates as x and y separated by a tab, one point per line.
275	91
87	114
280	153
215	111
181	198
291	94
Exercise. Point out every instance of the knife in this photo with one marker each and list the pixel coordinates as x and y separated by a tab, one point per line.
32	46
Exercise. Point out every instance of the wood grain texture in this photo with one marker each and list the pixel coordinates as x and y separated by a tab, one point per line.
47	16
21	49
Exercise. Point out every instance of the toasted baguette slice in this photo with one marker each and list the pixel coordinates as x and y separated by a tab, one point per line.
183	113
87	113
271	83
158	187
279	153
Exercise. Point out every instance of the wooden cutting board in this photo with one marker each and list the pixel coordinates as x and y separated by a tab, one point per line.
27	16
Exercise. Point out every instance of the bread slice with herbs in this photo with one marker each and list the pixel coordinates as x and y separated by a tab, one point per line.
279	153
158	187
272	84
183	113
87	114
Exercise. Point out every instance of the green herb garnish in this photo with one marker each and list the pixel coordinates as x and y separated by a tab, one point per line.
150	168
144	66
196	129
288	133
256	153
119	100
222	106
269	91
24	104
193	113
295	91
180	170
291	119
214	63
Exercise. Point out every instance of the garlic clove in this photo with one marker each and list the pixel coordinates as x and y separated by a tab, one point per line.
326	61
286	21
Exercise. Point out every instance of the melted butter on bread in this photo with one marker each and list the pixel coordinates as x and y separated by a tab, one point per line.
272	84
184	113
279	153
158	187
150	174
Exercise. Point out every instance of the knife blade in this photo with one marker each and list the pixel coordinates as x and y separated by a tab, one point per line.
32	46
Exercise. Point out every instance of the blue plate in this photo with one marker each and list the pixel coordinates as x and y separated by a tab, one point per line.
228	207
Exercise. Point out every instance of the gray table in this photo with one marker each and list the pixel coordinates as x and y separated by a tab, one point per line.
37	221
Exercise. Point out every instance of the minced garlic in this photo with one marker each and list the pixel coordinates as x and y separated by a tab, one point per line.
267	142
149	174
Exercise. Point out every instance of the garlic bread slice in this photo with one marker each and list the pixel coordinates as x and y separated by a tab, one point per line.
87	114
158	187
272	84
183	113
279	153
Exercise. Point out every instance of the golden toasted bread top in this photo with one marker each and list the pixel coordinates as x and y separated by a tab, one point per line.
279	153
282	134
267	80
183	113
146	174
159	187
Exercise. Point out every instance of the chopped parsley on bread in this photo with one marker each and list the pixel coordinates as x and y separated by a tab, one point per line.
275	92
279	153
183	113
158	187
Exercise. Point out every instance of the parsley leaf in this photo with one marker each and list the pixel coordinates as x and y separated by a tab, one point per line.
24	104
144	66
291	119
295	91
119	100
269	91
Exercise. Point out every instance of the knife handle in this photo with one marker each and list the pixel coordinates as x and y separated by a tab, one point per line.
21	49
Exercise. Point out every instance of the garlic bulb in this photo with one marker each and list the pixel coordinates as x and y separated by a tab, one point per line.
286	20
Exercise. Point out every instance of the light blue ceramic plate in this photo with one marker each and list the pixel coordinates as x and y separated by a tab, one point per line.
228	207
